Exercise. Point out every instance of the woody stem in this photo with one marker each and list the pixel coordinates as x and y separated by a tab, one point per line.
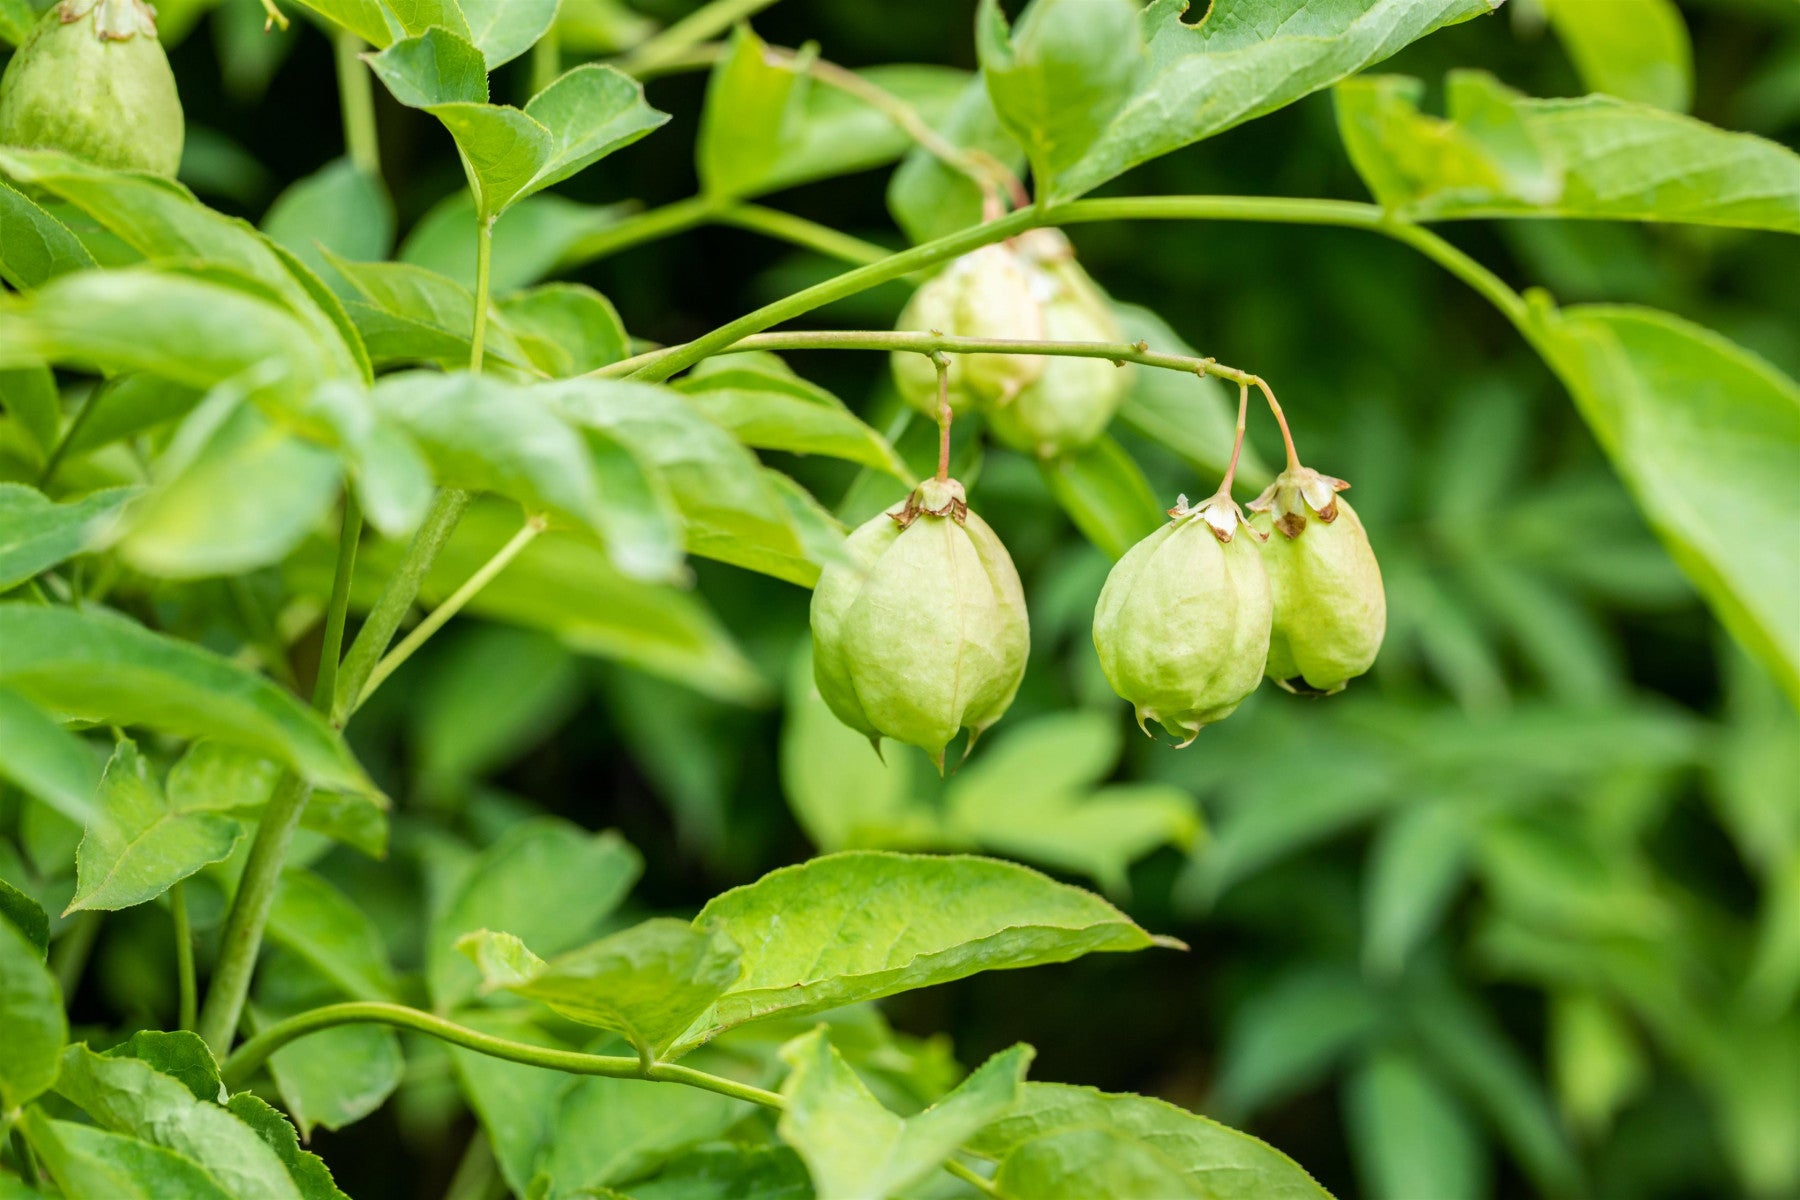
942	363
1293	459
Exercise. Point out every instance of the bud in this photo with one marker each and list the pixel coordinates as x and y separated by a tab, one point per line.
1182	626
92	80
1330	610
1073	399
986	293
924	632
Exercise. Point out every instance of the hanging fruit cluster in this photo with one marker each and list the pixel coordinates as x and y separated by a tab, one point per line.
1194	616
92	81
1028	289
922	633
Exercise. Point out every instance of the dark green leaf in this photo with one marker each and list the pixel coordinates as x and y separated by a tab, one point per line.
321	925
29	396
101	666
547	881
1105	494
340	207
34	246
180	1055
332	1078
494	692
1410	1136
26	916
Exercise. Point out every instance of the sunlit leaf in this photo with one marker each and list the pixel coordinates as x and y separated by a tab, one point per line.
1633	49
853	1146
766	405
1500	154
505	29
85	1161
864	924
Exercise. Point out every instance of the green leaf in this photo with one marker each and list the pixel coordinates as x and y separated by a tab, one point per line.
36	533
565	585
854	1147
531	239
1415	865
865	924
31	399
84	1161
339	207
505	29
325	928
494	692
125	1095
1034	794
516	1104
181	1055
34	246
427	317
310	1176
648	982
1058	78
336	1077
1064	1141
762	403
46	760
510	153
609	1131
547	880
769	124
365	18
1409	1135
233	492
747	1172
1500	154
1196	417
1633	49
1245	59
31	1011
189	331
733	510
100	666
1105	493
163	222
143	841
127	406
929	198
1290	1035
1697	427
16	19
490	436
566	328
25	915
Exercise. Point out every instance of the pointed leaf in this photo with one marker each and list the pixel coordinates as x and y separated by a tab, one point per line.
310	1176
1411	1137
99	665
34	246
31	1011
1697	427
531	239
142	841
1064	1141
125	1095
566	328
181	1055
1246	58
864	924
1633	49
24	914
37	533
1500	154
335	1077
648	982
505	29
858	1150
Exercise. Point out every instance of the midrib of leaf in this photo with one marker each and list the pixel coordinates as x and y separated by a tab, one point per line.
169	813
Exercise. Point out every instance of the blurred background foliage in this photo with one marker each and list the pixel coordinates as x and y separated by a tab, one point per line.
1519	914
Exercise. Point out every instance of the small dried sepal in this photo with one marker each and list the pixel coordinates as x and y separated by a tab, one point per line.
1299	494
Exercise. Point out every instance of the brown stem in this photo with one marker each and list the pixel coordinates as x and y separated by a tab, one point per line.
942	363
1237	445
1293	459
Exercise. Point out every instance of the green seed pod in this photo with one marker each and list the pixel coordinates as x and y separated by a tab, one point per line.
1073	399
92	80
986	293
1330	609
924	632
1182	626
